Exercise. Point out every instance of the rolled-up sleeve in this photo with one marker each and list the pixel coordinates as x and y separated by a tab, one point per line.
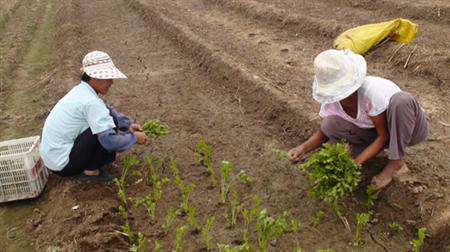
123	123
116	141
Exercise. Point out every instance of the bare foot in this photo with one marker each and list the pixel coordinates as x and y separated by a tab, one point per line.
385	177
91	172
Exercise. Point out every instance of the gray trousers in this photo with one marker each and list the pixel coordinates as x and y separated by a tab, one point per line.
406	122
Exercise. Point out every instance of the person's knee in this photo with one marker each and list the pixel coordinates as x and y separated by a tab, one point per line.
330	124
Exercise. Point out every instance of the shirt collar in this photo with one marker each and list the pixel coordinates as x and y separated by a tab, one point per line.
88	87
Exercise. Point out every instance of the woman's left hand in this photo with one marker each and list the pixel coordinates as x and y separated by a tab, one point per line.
135	127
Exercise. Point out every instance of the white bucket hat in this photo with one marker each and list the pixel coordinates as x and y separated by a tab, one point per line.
337	75
99	65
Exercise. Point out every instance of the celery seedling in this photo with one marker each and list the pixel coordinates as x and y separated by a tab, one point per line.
185	194
268	228
142	244
235	208
179	234
203	156
316	218
417	244
191	216
157	246
225	171
155	127
126	228
361	221
206	229
150	204
172	213
228	248
371	197
281	154
396	227
244	178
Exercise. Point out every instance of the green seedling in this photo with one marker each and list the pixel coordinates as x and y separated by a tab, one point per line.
316	218
396	227
185	195
137	174
244	178
179	235
157	246
361	220
298	250
203	156
333	174
176	174
172	213
325	250
417	244
225	178
126	228
142	244
236	207
228	248
372	196
206	232
269	228
191	216
155	127
121	191
280	154
150	204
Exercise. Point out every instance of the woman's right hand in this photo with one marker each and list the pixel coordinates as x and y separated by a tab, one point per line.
296	154
141	137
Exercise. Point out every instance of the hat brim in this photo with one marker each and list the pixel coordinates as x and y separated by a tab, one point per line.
104	73
345	86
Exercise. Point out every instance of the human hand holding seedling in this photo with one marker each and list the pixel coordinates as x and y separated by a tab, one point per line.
296	154
141	137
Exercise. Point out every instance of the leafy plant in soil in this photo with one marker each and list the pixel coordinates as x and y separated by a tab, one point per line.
418	243
203	156
396	227
155	127
192	219
185	195
126	228
269	228
239	248
157	246
150	205
316	218
225	178
172	213
333	174
244	178
179	235
206	232
361	220
280	154
236	206
142	244
249	217
372	196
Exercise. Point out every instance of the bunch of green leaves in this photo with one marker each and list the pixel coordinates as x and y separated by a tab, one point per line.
333	173
316	218
250	216
239	248
244	178
396	227
172	213
150	205
185	195
192	219
225	179
206	232
203	156
236	207
179	235
126	228
127	162
361	220
418	243
153	178
372	196
155	127
269	228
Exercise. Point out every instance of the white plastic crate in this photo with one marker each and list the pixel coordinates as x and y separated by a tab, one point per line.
22	172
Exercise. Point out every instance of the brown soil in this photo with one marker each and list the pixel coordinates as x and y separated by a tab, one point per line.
235	74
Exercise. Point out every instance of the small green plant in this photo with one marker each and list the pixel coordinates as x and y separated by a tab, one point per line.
333	174
185	195
249	217
126	228
298	249
225	178
418	243
192	219
325	250
281	154
236	206
142	244
372	196
150	204
203	156
179	235
228	248
316	218
361	220
157	246
268	228
155	127
206	232
244	178
172	213
396	227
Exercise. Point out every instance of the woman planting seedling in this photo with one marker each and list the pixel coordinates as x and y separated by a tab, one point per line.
82	134
370	113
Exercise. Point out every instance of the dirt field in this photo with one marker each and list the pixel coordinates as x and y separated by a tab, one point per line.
238	74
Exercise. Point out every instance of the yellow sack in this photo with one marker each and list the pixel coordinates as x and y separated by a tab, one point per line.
362	38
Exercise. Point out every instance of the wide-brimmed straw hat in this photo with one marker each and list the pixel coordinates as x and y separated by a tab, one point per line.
338	73
99	65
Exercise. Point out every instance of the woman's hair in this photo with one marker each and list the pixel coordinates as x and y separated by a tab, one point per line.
85	77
